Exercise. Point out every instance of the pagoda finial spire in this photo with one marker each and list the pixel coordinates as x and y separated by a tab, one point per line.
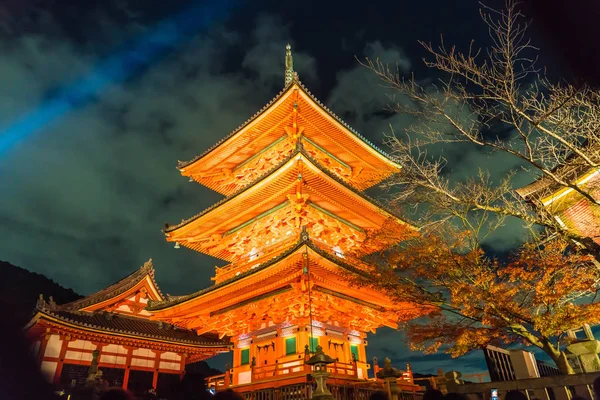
289	65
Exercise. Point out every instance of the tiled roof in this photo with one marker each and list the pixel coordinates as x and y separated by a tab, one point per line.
115	289
572	167
183	164
113	323
304	240
338	119
299	150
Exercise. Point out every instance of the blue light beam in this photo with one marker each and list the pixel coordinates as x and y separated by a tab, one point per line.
114	69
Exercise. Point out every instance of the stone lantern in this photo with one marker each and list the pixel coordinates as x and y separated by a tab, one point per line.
320	374
586	349
390	375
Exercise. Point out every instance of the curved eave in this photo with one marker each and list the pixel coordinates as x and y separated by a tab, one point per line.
46	315
117	289
252	186
231	136
342	125
547	191
334	119
182	300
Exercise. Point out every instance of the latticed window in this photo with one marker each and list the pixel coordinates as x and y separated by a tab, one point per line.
290	346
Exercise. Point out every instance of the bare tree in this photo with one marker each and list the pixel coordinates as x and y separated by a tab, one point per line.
553	131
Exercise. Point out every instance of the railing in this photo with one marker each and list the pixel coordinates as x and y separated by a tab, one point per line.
298	367
289	368
303	391
338	369
561	387
216	382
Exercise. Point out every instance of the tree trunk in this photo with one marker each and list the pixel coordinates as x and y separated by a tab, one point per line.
560	359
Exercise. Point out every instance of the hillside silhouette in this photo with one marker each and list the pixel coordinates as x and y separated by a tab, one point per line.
20	289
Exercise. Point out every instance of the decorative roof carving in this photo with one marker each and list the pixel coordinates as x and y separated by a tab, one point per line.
289	65
299	150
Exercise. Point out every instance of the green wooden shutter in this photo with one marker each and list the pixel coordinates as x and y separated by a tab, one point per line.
290	346
354	351
245	356
314	342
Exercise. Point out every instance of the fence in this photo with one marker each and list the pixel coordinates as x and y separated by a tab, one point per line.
562	387
304	391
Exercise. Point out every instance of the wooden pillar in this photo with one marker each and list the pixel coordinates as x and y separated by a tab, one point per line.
127	366
280	345
184	357
61	358
156	364
375	367
348	350
43	344
227	379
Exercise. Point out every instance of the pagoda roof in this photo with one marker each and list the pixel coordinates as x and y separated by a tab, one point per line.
356	148
142	276
121	325
303	241
276	284
234	210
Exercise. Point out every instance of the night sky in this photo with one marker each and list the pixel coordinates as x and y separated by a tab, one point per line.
99	99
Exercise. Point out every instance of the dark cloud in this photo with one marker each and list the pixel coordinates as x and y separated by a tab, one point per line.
89	194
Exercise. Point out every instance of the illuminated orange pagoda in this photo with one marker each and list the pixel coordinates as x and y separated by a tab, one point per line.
111	333
292	227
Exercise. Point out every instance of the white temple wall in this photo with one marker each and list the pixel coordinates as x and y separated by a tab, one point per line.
53	346
48	369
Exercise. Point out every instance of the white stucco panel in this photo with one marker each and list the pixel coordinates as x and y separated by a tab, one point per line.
48	369
78	355
169	355
113	359
53	346
138	362
82	344
169	365
114	348
144	353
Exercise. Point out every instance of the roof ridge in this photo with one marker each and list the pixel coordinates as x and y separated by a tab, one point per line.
183	164
295	80
344	123
115	289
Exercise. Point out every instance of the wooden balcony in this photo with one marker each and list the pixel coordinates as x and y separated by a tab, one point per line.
298	367
285	372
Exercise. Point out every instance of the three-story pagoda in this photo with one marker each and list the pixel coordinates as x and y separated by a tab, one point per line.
293	226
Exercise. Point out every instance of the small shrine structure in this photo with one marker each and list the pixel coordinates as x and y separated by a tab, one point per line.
112	332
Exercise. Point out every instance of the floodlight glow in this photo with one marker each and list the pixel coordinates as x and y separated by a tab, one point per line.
115	69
